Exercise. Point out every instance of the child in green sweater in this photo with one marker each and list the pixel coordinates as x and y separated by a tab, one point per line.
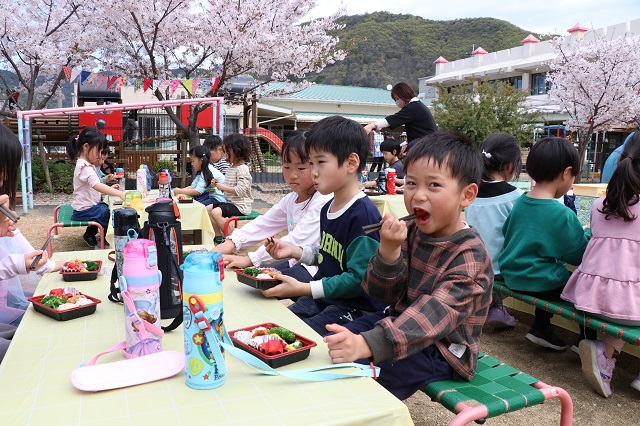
541	234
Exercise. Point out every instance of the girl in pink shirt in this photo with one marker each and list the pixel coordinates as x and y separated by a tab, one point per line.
86	149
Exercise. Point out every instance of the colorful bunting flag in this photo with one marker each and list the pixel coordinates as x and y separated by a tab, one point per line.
83	76
194	85
100	79
75	73
174	86
155	85
147	82
92	77
67	73
110	80
137	84
164	85
214	84
188	85
121	81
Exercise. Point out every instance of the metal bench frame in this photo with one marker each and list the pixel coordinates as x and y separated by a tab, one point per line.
68	223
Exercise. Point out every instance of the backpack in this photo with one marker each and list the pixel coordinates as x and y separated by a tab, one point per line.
165	230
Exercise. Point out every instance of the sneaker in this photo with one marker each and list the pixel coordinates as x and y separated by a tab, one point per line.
499	318
575	348
218	240
636	383
596	366
90	240
546	338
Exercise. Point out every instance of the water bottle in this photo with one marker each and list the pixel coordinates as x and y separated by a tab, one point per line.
391	181
139	283
125	227
141	181
121	178
163	185
382	183
202	295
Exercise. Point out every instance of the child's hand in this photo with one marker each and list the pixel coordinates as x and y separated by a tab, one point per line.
392	234
279	249
233	261
122	195
344	346
28	260
7	226
227	247
214	182
116	186
290	287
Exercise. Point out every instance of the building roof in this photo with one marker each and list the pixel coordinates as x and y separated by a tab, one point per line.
307	116
325	92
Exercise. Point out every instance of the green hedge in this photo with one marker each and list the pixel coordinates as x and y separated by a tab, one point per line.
61	174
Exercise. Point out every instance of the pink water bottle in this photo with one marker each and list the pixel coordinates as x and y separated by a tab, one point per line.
139	284
391	181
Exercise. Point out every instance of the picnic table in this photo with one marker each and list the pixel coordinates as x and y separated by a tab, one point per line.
392	204
193	217
36	388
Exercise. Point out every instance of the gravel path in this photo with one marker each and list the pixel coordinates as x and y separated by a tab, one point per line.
561	369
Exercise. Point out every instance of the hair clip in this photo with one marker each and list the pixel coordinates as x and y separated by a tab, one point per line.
486	154
630	157
76	138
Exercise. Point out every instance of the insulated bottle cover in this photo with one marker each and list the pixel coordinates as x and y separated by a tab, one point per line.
202	308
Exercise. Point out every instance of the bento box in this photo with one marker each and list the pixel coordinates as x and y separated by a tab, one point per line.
255	282
274	360
81	275
67	314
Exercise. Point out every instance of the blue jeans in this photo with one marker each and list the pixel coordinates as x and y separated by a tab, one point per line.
405	377
98	213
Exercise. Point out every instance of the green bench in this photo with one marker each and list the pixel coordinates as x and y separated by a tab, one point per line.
254	214
567	310
62	219
498	388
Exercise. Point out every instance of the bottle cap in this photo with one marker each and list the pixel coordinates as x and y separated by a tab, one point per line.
201	262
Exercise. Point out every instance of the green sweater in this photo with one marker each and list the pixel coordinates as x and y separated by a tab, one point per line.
540	235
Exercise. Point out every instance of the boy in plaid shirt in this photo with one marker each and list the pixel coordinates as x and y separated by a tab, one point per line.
434	272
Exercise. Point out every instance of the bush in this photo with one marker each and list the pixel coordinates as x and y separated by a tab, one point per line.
61	173
160	165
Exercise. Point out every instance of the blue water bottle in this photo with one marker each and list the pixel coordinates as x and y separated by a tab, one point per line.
202	308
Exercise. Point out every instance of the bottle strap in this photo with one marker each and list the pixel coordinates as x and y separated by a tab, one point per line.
315	374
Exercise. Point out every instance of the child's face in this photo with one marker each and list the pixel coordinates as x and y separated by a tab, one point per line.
230	157
388	156
93	154
216	154
328	176
436	197
196	163
297	174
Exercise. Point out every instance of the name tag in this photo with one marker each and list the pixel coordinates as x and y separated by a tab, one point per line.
457	349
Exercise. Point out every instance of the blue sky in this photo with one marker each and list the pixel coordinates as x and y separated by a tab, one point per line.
536	16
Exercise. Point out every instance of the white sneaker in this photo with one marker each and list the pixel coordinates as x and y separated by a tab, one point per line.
636	383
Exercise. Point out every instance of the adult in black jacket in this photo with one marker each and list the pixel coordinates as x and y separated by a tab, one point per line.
413	114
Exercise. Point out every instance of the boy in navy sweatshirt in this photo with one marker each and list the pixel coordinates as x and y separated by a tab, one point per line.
338	149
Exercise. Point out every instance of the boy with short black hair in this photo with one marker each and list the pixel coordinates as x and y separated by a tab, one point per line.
216	153
338	149
390	149
434	273
541	234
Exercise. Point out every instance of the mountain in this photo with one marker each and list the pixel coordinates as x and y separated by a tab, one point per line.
385	48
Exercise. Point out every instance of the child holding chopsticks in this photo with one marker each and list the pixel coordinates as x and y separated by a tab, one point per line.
16	254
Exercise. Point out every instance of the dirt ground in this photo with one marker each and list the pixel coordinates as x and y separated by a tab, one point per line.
560	369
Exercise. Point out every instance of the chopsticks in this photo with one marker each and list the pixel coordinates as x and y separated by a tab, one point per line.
369	229
8	213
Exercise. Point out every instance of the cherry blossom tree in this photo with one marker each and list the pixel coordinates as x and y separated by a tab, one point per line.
180	39
597	82
37	38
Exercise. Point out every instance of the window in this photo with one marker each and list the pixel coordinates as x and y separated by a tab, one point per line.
514	81
539	84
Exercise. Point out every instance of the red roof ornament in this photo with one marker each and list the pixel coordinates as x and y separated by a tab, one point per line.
479	51
578	28
530	39
440	60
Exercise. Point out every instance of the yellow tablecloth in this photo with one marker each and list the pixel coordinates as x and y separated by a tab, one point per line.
36	388
393	204
193	216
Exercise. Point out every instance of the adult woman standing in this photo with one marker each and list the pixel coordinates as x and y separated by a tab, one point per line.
413	114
